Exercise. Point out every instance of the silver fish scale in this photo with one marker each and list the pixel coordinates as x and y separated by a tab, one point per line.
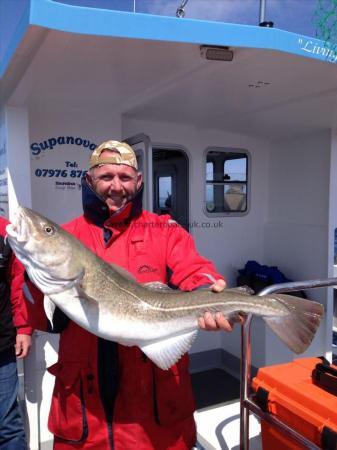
129	298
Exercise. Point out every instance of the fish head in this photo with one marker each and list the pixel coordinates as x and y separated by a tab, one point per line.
45	249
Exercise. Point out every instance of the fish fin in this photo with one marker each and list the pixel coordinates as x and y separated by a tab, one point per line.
241	290
49	309
165	353
157	286
79	285
296	329
82	294
123	272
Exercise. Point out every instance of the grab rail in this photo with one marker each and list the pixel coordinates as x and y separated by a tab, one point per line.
246	402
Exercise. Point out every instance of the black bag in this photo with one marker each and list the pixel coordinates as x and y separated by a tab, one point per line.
258	277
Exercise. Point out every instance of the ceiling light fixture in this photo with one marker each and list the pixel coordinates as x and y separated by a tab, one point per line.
216	53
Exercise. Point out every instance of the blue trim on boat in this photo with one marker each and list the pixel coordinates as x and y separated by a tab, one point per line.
14	41
102	22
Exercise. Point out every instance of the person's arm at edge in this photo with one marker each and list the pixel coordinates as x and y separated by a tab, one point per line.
19	309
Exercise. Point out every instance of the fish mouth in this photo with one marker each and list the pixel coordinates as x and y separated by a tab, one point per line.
18	229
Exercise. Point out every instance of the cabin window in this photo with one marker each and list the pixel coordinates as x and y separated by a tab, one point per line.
226	182
165	193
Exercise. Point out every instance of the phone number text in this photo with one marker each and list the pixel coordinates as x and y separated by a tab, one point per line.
60	173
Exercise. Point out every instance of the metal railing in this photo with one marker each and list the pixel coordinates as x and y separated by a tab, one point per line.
246	402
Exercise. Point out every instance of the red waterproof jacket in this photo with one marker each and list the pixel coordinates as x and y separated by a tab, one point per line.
14	313
108	396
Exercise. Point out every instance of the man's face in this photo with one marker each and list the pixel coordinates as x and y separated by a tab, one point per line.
115	183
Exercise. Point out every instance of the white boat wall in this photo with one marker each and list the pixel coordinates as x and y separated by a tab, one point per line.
73	76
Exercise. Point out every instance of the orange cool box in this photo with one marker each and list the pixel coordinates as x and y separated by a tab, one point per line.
303	395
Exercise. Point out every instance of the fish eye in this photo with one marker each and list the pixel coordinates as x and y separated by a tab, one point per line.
49	229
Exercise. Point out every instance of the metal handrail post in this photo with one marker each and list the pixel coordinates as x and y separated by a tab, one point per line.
244	386
246	403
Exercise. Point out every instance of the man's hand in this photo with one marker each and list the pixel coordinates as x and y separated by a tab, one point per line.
217	321
22	345
219	286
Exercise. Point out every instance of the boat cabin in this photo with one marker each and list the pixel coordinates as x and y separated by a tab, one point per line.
234	126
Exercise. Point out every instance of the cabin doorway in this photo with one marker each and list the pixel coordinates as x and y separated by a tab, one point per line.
170	184
166	178
142	146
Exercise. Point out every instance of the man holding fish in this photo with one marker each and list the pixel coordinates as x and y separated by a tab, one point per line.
122	376
111	396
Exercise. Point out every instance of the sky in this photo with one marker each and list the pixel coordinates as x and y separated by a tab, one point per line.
291	15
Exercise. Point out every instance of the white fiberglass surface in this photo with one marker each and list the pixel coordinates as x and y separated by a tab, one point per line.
219	428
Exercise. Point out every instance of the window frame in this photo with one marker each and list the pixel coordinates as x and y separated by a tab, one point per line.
248	184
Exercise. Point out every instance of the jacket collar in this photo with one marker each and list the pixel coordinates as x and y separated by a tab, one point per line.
96	210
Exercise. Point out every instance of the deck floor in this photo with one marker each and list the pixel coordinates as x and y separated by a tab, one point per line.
214	387
218	412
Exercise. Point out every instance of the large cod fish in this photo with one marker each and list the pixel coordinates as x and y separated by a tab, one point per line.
106	301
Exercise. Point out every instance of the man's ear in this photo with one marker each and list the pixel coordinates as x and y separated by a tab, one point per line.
139	180
88	179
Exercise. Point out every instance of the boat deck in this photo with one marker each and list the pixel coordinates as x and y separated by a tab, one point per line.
214	387
218	412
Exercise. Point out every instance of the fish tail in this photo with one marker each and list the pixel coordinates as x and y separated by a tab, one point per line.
296	329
